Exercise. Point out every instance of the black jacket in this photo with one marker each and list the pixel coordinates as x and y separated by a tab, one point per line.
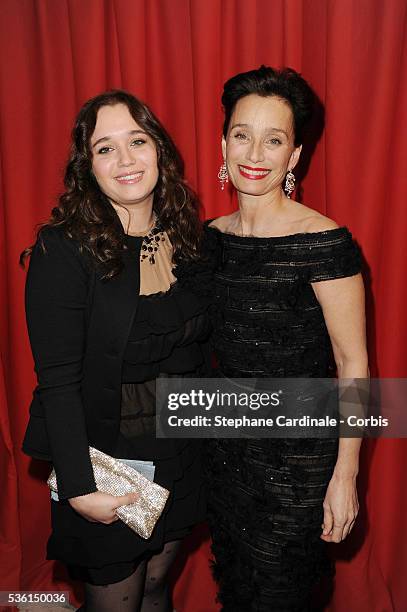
78	327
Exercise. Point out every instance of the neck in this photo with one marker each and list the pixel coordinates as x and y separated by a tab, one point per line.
136	219
258	214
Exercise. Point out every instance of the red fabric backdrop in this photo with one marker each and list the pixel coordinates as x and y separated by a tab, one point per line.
175	54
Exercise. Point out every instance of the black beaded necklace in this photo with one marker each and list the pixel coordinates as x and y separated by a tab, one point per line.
151	243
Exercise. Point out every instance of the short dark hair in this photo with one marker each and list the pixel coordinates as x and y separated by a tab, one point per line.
286	84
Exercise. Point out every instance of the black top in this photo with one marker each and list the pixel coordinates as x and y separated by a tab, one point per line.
267	319
166	332
165	339
79	326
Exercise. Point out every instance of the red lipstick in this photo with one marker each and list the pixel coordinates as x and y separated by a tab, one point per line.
254	174
256	168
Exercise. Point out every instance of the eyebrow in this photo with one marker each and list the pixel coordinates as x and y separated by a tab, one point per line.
272	129
106	138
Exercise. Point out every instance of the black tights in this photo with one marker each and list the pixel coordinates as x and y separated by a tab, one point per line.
146	590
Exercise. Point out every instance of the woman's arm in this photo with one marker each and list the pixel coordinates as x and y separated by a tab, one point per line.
343	305
56	300
56	296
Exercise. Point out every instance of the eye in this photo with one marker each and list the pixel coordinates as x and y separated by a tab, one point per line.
138	141
274	141
104	150
240	136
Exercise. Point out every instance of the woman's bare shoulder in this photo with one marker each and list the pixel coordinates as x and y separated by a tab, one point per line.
224	223
311	221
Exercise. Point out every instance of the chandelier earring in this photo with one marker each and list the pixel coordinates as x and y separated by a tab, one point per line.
223	175
289	183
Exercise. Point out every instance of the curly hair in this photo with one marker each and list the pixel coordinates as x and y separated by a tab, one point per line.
286	84
84	211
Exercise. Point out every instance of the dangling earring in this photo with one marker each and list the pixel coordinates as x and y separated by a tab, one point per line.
289	183
223	175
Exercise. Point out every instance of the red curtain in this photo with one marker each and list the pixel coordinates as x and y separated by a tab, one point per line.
176	54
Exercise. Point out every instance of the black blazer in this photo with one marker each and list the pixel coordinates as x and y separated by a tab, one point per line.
78	327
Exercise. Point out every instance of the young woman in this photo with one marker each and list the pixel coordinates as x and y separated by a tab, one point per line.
110	307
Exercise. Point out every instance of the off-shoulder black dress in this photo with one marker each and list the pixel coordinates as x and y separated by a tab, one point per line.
266	495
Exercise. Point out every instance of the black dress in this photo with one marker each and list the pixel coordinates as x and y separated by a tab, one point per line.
265	506
168	337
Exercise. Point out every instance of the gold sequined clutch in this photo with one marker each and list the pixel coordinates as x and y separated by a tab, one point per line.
116	478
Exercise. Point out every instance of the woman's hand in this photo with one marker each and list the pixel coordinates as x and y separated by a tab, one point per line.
341	507
101	507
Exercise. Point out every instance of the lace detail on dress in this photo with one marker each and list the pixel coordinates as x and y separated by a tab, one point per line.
265	513
267	319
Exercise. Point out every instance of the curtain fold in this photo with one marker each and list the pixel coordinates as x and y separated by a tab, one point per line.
176	54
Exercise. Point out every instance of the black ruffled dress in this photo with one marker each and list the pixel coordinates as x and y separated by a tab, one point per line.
265	506
168	338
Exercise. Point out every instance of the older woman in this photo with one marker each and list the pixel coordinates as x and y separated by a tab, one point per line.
107	316
288	290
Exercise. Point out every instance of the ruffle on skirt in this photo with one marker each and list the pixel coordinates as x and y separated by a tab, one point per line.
265	513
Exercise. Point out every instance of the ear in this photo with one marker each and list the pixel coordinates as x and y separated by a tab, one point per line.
295	156
224	148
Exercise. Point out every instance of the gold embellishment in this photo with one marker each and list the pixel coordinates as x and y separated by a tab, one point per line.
116	478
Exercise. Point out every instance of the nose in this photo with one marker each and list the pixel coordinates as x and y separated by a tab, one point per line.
255	152
126	157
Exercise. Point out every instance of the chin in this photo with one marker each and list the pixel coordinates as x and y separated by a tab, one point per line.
130	193
254	190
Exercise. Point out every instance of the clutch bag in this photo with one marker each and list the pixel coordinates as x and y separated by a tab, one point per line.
114	477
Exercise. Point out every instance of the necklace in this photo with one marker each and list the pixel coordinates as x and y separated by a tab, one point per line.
148	229
151	242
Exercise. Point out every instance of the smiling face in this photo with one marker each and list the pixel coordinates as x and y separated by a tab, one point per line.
259	146
124	157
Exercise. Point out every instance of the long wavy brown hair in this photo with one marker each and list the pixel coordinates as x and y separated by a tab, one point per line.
85	213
